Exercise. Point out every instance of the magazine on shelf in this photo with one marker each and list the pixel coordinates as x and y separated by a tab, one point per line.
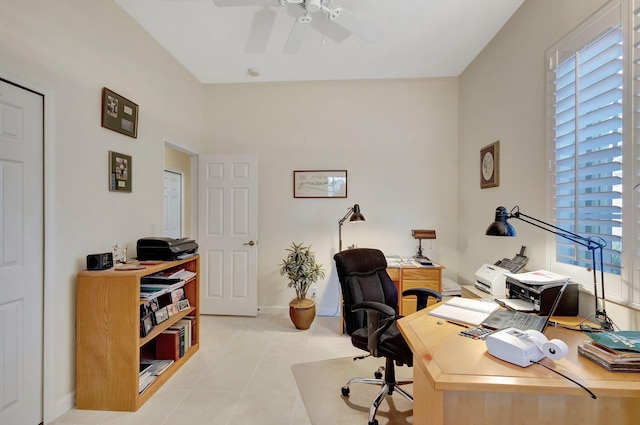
182	274
155	367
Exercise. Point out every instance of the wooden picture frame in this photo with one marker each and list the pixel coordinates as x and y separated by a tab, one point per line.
120	172
119	113
161	315
320	184
490	165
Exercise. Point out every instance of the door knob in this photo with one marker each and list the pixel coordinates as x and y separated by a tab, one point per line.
250	243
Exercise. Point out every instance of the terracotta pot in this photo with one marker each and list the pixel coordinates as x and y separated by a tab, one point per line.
302	312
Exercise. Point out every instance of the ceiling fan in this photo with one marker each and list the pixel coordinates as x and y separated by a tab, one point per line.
318	8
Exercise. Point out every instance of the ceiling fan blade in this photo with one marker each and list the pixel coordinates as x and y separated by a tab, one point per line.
231	3
296	36
357	26
261	27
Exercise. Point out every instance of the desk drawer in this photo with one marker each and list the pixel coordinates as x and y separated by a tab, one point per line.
409	284
421	274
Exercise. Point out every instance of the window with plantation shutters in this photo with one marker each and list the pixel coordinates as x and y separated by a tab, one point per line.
588	148
593	94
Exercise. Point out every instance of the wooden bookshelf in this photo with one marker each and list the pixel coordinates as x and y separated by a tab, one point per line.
108	342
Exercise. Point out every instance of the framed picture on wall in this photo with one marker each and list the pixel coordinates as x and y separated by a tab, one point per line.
490	165
119	113
120	166
320	184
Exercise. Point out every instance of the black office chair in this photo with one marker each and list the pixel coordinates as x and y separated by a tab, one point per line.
370	311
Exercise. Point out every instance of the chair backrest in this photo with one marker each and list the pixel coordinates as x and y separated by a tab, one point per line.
363	277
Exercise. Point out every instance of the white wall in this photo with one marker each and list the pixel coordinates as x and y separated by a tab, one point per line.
502	97
70	49
397	140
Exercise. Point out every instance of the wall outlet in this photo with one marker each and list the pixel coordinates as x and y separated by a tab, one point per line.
312	291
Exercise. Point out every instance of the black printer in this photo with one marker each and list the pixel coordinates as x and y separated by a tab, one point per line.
166	249
542	296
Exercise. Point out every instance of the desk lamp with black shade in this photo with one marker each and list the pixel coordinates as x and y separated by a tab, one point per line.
501	227
355	214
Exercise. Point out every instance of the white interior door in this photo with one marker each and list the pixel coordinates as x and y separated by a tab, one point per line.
21	257
228	230
172	205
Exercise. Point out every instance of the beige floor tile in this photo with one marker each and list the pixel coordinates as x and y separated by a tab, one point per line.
241	375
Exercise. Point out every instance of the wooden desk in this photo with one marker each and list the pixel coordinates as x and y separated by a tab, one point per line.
407	277
457	382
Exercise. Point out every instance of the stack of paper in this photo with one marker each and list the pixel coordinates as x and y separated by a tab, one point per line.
539	277
465	310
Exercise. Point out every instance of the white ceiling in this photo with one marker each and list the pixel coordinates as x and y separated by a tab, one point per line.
422	38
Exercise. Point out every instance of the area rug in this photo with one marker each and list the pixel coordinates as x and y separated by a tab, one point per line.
320	386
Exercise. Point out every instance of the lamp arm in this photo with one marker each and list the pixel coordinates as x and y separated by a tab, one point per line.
340	223
588	242
346	216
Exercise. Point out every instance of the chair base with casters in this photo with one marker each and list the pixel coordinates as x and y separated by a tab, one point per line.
370	302
388	385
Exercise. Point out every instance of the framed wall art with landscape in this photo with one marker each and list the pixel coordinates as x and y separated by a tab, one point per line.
320	184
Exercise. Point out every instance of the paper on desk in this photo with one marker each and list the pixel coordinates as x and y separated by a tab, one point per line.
465	310
538	277
517	304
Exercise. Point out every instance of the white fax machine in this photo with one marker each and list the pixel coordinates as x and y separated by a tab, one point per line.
492	280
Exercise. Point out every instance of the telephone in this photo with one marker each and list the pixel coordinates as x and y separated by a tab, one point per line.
524	348
515	264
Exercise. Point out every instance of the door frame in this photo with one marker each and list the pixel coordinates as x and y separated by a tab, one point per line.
193	154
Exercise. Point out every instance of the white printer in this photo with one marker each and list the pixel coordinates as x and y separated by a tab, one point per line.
492	280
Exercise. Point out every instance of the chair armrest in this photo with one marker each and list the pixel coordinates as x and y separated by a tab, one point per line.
423	295
374	306
379	318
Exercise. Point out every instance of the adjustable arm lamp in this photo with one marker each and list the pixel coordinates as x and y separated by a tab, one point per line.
355	214
501	227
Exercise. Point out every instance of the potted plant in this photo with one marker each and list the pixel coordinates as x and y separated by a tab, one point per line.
300	267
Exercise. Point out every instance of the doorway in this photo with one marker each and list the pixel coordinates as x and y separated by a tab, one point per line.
172	206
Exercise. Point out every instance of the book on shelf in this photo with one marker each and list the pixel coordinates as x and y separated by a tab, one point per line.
144	381
465	310
155	366
181	328
192	320
168	345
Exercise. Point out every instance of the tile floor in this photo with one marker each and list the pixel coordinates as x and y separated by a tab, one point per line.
240	376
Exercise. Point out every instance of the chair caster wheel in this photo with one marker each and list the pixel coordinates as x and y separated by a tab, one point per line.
375	422
345	391
378	375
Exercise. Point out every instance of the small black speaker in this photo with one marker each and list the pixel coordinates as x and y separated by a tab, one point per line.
100	261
